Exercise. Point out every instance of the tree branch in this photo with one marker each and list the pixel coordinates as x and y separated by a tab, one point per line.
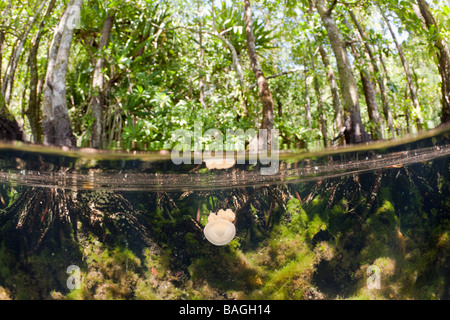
220	36
330	9
279	75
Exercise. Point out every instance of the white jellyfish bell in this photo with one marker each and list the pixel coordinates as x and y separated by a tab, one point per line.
214	163
220	229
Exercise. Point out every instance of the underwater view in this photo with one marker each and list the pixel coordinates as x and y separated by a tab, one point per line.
361	222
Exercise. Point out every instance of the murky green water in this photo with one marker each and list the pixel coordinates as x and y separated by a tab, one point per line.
371	222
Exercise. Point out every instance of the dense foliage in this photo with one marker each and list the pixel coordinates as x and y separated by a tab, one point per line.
166	64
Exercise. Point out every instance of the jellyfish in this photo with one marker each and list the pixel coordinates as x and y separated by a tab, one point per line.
219	163
220	229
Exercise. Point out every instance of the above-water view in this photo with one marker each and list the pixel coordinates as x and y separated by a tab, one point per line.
209	153
367	222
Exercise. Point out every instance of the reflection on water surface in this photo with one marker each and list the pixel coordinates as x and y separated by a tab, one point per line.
325	226
43	167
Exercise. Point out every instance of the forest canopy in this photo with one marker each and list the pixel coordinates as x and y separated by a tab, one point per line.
124	75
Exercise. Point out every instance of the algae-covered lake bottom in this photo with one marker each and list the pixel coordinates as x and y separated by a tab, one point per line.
370	222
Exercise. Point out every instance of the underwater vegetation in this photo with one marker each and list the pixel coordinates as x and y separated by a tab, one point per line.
314	240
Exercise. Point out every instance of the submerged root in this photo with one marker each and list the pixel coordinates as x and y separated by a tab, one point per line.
39	211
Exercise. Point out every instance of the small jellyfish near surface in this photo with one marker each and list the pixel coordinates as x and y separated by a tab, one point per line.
220	229
219	164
